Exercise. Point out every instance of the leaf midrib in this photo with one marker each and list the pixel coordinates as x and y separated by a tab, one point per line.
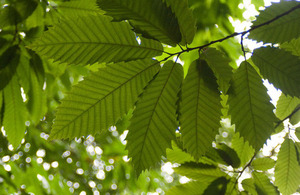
110	93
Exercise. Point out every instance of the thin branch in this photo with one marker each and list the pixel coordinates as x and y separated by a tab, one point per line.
237	33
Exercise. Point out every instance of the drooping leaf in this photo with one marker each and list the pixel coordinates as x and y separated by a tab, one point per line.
293	46
78	8
90	39
9	61
102	98
200	172
287	168
280	67
281	30
286	105
263	164
15	112
219	64
200	110
250	107
263	185
177	155
153	19
153	123
187	23
242	148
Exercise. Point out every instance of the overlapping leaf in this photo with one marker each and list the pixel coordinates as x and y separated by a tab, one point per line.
187	23
200	110
177	155
250	107
190	188
153	19
286	105
293	46
242	148
1	107
280	67
263	184
90	39
102	98
281	30
287	168
219	64
15	112
153	123
78	8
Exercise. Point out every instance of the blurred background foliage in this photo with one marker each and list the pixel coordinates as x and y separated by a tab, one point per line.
93	164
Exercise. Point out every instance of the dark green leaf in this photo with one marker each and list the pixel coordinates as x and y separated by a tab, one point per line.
153	123
293	46
190	188
9	61
153	19
218	186
228	155
250	107
295	118
200	110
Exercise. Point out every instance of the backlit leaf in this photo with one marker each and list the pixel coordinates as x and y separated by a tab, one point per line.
242	148
153	123
200	110
263	164
90	39
281	30
250	107
287	168
286	105
153	19
15	113
102	98
280	67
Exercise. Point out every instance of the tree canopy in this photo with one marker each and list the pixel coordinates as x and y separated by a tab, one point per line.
104	95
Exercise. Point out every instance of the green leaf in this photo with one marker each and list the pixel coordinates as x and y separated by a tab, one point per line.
78	8
297	132
263	164
190	188
287	168
242	148
177	155
295	118
200	172
200	109
15	113
250	107
153	19
293	46
89	108
1	107
187	23
91	39
228	155
218	186
249	186
9	61
281	30
258	3
153	123
263	185
219	63
286	105
280	67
